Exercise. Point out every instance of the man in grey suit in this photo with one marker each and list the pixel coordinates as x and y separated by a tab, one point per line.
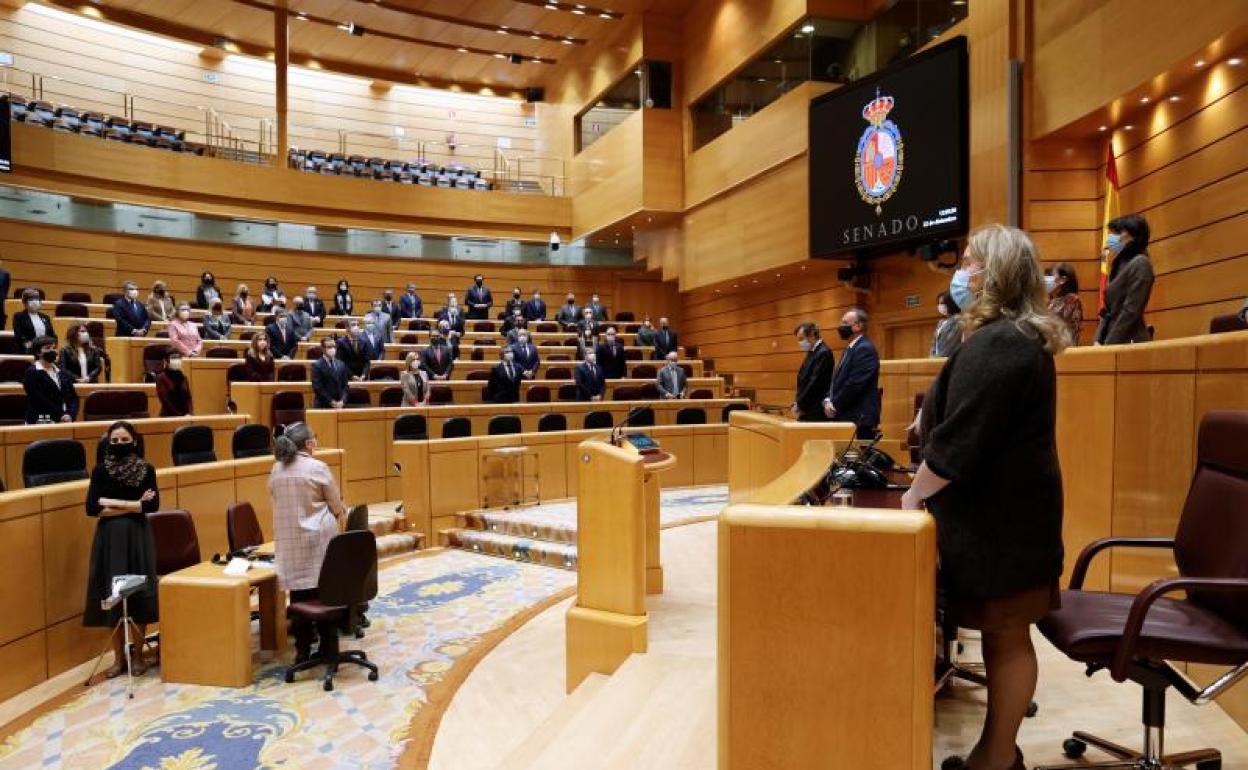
300	321
672	380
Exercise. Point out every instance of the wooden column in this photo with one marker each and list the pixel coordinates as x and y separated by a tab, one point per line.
281	66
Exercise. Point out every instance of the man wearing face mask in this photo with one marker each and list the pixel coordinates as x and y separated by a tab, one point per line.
282	340
515	304
351	351
665	340
526	355
672	380
372	343
452	314
330	377
172	388
815	377
315	306
568	314
50	395
505	379
855	395
610	355
597	308
514	324
391	309
478	298
535	308
380	320
410	305
437	359
300	321
590	383
645	334
130	314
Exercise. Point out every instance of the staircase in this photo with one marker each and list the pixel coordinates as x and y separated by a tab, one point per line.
515	535
656	711
393	537
525	186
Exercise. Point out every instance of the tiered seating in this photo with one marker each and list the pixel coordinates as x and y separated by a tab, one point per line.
71	120
405	172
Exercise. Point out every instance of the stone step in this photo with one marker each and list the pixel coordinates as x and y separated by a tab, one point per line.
506	546
519	523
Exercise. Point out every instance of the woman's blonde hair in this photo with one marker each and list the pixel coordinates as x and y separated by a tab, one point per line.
1013	286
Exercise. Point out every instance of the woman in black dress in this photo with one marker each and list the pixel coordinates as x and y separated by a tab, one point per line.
123	491
991	479
343	302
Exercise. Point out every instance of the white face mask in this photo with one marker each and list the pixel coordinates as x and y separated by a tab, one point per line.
132	293
84	337
175	364
804	344
524	340
34	305
184	314
1050	283
331	352
509	358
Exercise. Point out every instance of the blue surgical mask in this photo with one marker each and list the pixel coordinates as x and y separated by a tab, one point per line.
1050	283
960	289
804	345
1113	242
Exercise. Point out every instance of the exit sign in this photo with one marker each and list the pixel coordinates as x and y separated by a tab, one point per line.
912	301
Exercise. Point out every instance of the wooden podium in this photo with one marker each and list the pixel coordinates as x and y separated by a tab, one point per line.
617	515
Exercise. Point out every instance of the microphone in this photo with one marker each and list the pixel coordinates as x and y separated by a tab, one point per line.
617	432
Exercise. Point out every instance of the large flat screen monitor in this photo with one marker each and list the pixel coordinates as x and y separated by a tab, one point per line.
888	156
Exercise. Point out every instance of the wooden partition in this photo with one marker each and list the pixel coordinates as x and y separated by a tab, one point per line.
902	380
84	390
366	434
761	446
49	536
157	439
826	614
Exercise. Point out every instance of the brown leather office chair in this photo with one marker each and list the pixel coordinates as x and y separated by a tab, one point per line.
174	540
242	528
348	579
115	405
1135	637
1231	322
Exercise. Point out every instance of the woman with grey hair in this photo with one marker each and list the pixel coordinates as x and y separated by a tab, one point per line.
307	507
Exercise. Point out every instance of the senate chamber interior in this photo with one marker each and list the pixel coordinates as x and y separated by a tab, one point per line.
628	384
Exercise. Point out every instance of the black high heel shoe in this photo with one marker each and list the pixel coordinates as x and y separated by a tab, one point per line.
958	763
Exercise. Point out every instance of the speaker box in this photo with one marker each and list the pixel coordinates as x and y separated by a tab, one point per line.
658	85
535	94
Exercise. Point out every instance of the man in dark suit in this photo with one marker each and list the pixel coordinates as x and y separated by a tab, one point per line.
437	359
855	395
4	292
330	377
353	352
314	306
599	310
513	325
505	379
664	341
568	314
373	343
610	353
672	380
590	383
535	309
131	316
588	325
410	305
282	338
452	314
391	309
527	357
514	304
815	377
478	298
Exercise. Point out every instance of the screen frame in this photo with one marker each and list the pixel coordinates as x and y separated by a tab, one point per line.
962	88
6	134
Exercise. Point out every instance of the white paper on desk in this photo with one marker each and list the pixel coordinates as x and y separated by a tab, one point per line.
237	567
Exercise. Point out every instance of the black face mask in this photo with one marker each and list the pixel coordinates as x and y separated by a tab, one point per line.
121	451
209	280
48	356
845	330
516	294
479	282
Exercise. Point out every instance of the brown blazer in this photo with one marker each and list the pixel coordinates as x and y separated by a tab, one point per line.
1126	296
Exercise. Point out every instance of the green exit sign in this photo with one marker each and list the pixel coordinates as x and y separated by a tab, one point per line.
912	301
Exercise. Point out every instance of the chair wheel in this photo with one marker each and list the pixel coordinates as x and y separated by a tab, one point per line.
1073	748
329	685
953	763
372	677
1032	709
1209	764
290	677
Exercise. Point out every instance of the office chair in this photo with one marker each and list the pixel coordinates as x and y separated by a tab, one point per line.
53	461
501	424
115	405
193	444
691	415
457	427
1136	637
242	528
598	420
411	427
348	579
251	440
550	423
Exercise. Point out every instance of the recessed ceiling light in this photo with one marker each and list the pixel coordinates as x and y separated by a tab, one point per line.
1129	127
1200	63
1174	98
762	80
605	15
808	28
579	11
500	56
552	7
501	30
736	286
566	41
301	16
1144	100
1235	62
1103	128
462	50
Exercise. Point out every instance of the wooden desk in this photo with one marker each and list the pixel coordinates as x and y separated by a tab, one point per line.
761	447
205	624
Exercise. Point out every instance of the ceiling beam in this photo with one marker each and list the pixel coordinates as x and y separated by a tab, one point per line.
479	25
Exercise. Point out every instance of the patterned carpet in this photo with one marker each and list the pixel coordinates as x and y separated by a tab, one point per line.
430	614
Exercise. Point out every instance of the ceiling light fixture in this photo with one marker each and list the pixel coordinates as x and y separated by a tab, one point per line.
580	9
1103	128
1128	127
1235	62
808	29
1174	98
1200	63
1144	100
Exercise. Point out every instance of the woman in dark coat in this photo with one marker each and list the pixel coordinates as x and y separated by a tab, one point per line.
50	394
173	390
1130	283
122	492
991	479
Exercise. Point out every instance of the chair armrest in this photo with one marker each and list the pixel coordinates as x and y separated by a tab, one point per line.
1145	599
1080	572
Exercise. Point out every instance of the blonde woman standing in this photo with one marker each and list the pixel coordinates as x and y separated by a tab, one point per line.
989	449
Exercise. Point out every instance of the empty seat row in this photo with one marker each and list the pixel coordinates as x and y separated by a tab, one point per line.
415	427
74	121
386	170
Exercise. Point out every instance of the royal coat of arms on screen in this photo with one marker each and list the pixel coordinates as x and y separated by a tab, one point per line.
881	154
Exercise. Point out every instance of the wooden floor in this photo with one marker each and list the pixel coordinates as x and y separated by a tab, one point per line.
658	710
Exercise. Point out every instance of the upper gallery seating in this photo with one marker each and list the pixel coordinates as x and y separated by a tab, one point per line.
71	120
415	172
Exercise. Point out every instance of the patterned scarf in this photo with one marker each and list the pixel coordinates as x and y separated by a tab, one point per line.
128	471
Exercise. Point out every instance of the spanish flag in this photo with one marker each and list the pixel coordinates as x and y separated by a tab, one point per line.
1111	212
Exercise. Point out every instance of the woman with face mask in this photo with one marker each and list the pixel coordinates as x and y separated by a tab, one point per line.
1063	287
415	382
1130	282
173	390
207	291
948	336
50	395
122	492
244	310
160	302
259	359
216	323
80	357
989	445
31	324
272	296
184	333
343	303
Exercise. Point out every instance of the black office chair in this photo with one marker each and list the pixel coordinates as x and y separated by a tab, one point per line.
53	461
457	427
411	427
348	579
643	417
691	415
596	420
357	518
251	440
503	424
193	444
550	423
729	409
